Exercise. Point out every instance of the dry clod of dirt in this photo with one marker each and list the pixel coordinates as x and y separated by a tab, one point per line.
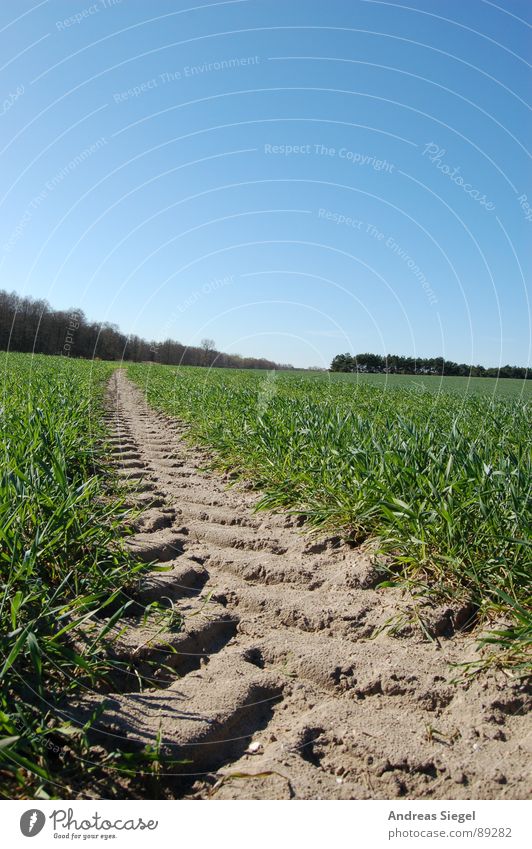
273	677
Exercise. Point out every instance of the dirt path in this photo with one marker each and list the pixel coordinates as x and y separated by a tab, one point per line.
280	671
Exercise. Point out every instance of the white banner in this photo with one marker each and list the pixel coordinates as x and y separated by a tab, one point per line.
259	824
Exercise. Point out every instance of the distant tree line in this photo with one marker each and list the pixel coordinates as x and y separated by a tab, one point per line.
32	326
395	364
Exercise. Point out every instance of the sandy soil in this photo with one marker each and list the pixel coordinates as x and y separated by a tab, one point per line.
281	683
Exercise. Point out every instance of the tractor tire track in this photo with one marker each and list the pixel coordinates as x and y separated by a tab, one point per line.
273	676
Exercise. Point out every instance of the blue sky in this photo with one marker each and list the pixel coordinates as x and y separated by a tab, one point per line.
290	179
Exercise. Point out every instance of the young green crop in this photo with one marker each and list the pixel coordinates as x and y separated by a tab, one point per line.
59	566
442	479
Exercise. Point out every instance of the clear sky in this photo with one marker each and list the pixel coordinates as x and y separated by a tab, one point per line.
292	178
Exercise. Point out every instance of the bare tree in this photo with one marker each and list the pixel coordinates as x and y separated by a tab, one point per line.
209	350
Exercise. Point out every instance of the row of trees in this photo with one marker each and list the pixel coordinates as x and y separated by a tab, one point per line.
395	364
32	326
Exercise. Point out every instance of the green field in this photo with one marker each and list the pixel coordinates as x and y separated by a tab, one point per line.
59	564
488	386
440	478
